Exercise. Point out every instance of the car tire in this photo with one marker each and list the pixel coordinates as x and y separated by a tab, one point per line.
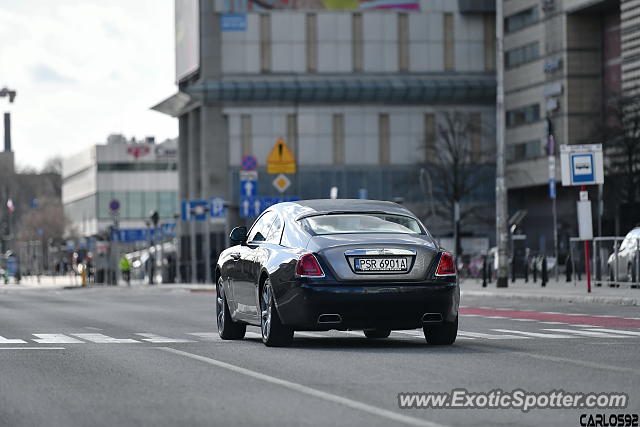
441	334
377	333
274	333
227	328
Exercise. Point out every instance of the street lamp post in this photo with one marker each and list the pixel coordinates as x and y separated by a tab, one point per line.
502	235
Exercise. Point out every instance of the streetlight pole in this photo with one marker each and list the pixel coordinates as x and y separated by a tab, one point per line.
502	236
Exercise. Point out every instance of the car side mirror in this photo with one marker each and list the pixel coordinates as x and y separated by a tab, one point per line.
238	234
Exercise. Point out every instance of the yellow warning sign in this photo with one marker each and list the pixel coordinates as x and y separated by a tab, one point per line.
280	159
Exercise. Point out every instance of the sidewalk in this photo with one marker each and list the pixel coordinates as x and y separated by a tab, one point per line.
554	291
43	282
75	282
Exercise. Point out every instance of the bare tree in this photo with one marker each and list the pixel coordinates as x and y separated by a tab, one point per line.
621	135
53	165
44	222
459	166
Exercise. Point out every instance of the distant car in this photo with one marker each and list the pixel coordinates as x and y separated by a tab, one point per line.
336	264
628	259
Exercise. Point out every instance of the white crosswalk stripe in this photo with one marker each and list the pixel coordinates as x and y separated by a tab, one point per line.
584	333
104	339
533	334
153	338
576	331
253	335
616	331
491	336
4	340
56	339
310	334
206	336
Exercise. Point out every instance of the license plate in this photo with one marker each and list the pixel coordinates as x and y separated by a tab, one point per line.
380	264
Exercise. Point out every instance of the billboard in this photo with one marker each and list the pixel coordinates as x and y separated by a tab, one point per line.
187	13
363	5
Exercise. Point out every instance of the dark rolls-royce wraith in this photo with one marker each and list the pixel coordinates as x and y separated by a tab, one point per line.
336	264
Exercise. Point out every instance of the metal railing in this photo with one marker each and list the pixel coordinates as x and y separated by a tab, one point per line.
612	263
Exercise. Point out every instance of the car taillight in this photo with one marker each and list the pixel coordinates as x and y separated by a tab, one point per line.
308	266
446	266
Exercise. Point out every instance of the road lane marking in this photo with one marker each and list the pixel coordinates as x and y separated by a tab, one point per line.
616	331
206	336
533	334
104	339
4	340
586	333
253	335
56	339
310	334
491	336
353	404
32	348
153	338
581	363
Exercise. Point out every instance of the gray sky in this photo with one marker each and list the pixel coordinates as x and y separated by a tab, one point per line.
84	69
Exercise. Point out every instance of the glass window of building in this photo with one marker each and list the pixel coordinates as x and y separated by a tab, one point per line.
312	42
521	19
265	42
403	41
356	41
522	55
449	44
523	115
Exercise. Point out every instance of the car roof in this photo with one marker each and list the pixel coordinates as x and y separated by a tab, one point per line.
303	208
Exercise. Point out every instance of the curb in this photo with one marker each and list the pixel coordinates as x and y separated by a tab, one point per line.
581	299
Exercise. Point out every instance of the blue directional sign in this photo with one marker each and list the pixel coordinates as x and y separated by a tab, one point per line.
254	206
194	210
233	22
582	170
143	234
248	188
217	208
552	188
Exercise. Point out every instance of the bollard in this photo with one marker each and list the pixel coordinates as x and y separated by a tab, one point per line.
513	269
484	271
568	268
526	270
535	269
544	277
84	276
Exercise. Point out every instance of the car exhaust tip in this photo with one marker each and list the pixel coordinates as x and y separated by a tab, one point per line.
329	319
432	318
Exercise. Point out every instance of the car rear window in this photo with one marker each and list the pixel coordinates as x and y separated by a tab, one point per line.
361	223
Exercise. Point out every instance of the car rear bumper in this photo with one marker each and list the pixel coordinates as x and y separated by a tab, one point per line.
394	306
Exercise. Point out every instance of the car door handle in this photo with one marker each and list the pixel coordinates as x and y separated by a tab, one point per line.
235	256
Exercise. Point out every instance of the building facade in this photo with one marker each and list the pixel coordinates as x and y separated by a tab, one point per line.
363	98
564	63
141	177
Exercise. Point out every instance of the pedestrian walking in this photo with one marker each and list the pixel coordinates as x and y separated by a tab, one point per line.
125	269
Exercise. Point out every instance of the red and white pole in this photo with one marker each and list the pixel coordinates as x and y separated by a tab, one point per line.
586	255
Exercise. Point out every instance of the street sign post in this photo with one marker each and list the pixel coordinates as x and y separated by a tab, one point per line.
281	183
249	163
217	208
253	207
281	160
583	165
248	184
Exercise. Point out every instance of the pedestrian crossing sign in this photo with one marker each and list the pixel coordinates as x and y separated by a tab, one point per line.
281	159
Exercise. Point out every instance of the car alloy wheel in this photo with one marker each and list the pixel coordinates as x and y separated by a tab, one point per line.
227	328
274	333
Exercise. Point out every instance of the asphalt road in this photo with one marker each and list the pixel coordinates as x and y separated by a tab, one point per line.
150	356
